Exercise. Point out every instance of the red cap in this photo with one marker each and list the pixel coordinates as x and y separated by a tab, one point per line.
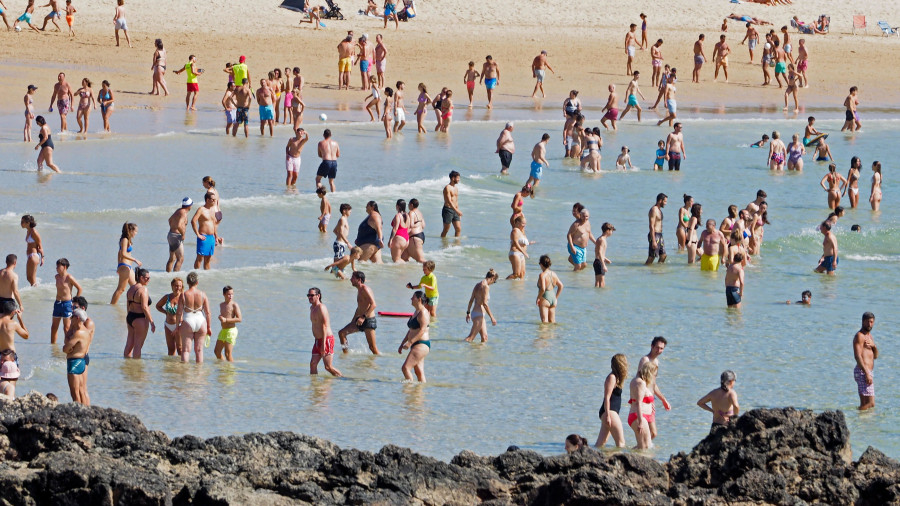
242	59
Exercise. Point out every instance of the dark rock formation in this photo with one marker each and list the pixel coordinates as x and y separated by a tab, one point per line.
68	454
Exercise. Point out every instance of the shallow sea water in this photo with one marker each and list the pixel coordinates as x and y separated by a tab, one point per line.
531	384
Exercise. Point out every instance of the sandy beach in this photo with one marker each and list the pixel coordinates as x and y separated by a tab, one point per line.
584	45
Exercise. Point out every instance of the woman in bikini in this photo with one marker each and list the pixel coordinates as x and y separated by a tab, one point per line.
436	104
610	423
684	215
45	146
518	248
641	412
159	69
276	83
691	236
138	320
835	186
728	222
34	252
875	193
416	339
478	307
107	103
852	186
722	402
792	87
85	102
575	138
387	116
124	259
415	249
446	111
518	202
168	306
29	112
795	153
547	299
376	99
759	221
777	152
421	104
193	319
399	232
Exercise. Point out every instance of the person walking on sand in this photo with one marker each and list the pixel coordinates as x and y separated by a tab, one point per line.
329	151
193	86
752	39
70	17
699	58
851	115
655	237
538	71
644	42
121	24
365	57
631	96
62	93
3	9
364	318
506	147
323	348
490	75
803	63
549	289
469	79
159	69
865	352
345	57
631	44
450	213
610	423
720	56
722	402
478	307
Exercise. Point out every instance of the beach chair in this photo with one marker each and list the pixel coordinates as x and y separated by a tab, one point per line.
802	27
859	23
887	31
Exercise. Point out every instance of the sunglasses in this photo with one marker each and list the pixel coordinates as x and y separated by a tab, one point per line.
311	295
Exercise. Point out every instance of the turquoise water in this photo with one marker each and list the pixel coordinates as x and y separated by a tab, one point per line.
530	385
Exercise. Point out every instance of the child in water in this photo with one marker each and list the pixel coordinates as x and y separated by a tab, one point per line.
229	315
760	143
324	209
339	264
430	285
624	159
660	155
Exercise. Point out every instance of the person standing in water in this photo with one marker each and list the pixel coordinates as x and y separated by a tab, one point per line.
875	193
229	316
506	147
851	115
601	262
853	181
610	423
206	229
538	162
34	251
76	347
547	282
62	308
641	415
657	345
416	339
9	282
655	237
865	352
450	213
364	318
828	262
138	320
193	318
193	85
292	154
175	237
323	348
478	307
723	399
734	281
124	268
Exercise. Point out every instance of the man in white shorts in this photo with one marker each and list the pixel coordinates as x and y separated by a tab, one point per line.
292	156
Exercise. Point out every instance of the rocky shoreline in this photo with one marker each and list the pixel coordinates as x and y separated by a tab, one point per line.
70	454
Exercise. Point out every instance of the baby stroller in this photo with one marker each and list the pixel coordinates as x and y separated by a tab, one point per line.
333	11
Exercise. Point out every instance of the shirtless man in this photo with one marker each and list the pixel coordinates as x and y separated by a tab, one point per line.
345	57
62	307
851	115
699	58
366	57
120	23
399	109
780	63
537	70
577	240
753	207
206	228
751	38
177	226
323	349
538	162
9	282
829	261
734	282
802	63
713	241
631	94
656	348
655	237
364	317
53	16
865	352
720	56
656	59
506	147
62	93
292	156
612	113
600	260
10	327
243	97
450	213
631	44
675	150
380	59
490	75
671	104
230	109
265	98
329	152
76	347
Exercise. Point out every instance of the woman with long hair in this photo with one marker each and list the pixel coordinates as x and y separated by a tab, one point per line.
138	320
168	306
124	268
34	251
416	339
610	423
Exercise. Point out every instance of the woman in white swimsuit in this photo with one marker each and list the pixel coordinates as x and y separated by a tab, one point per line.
518	248
193	319
852	186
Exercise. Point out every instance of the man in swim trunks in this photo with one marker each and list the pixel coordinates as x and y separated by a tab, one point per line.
70	17
803	63
734	282
669	97
53	16
243	97
780	63
380	59
631	96
612	114
177	226
62	93
9	327
292	156
577	240
720	56
329	152
265	98
631	44
323	349
193	84
751	38
345	57
120	23
537	70
341	231
206	228
9	282
865	352
230	109
713	242
538	162
655	237
229	317
600	261
365	57
506	147
699	58
851	116
829	261
77	345
657	345
364	317
490	74
450	213
675	150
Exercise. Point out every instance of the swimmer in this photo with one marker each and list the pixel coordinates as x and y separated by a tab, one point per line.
547	282
623	161
805	299
601	262
323	348
823	151
292	152
518	202
795	152
175	237
416	339
34	251
660	155
478	307
124	257
865	352
369	235
575	443
610	423
62	308
734	282
229	316
168	306
631	97
722	402
810	133
538	162
193	319
762	142
324	209
641	413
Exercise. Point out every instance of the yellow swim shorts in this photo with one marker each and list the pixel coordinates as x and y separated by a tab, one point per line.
228	335
344	64
709	262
